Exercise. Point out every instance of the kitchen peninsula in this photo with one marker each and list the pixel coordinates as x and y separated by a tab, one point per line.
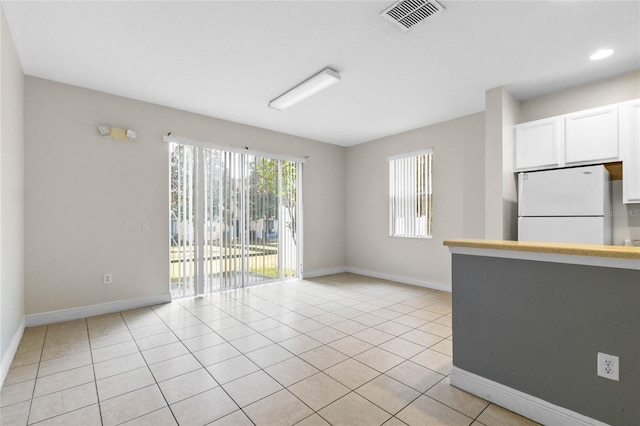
529	320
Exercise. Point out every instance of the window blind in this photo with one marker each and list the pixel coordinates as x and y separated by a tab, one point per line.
410	194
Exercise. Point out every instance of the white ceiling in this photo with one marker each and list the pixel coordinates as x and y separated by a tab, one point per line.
229	59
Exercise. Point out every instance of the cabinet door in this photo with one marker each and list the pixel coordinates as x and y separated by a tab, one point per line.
592	135
537	144
630	142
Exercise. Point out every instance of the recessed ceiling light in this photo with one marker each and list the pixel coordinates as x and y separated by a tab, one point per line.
601	54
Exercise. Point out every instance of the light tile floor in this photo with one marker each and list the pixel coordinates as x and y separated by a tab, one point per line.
339	350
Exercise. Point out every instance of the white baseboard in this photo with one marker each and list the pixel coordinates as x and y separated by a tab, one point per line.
399	279
519	402
322	272
7	357
375	274
93	310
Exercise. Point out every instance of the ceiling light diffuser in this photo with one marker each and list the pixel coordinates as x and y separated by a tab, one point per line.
311	86
601	54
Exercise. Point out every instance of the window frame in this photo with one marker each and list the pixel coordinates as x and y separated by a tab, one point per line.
411	201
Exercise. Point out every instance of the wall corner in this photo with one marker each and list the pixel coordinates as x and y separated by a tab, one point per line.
502	111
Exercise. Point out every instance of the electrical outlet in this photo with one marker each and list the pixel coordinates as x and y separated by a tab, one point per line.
108	279
146	226
608	366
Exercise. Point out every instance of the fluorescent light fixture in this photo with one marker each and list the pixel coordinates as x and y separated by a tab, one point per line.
311	86
601	54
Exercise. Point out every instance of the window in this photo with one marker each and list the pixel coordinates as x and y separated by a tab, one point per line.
235	218
410	194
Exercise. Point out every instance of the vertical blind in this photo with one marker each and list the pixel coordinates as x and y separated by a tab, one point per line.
235	219
410	194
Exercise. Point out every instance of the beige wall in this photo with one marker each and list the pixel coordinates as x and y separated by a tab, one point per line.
88	195
501	200
622	88
11	197
626	218
458	179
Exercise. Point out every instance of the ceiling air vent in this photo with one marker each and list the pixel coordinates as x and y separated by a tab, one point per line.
407	13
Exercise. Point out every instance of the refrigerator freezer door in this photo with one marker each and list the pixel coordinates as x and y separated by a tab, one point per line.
579	191
586	230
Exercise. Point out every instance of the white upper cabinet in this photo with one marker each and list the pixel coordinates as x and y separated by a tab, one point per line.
592	135
630	146
538	144
576	139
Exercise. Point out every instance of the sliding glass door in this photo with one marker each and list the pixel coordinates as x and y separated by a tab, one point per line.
234	219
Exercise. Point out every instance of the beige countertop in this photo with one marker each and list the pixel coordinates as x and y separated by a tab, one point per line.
595	250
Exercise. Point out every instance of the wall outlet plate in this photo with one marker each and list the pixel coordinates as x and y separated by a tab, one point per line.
107	279
609	366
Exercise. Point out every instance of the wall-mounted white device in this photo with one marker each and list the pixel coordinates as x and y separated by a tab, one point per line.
117	132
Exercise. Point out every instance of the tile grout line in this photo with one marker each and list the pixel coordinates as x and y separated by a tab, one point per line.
203	367
67	412
322	371
242	353
35	382
146	363
352	357
240	315
93	368
273	378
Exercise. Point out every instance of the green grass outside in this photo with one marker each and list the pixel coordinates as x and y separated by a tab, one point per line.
266	266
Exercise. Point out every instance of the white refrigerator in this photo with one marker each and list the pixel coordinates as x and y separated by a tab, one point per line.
565	205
